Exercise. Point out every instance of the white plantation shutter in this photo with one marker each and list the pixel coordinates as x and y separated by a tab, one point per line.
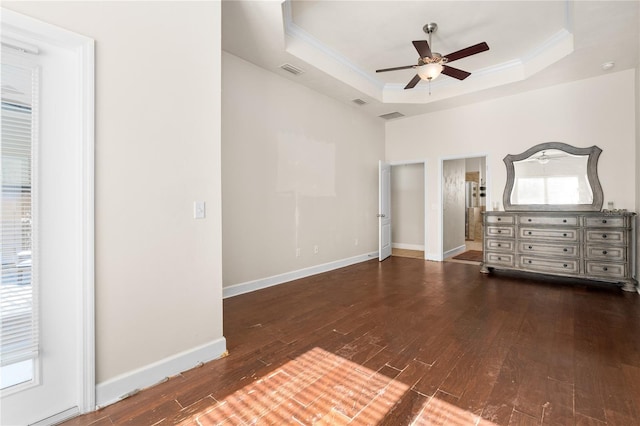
18	292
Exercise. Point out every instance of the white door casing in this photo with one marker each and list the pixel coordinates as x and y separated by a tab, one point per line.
384	210
66	382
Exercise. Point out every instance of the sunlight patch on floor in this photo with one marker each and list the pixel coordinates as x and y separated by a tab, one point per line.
321	388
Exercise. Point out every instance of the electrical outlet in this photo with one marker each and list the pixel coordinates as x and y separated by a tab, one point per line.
298	252
315	249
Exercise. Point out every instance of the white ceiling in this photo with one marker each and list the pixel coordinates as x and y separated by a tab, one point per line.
340	44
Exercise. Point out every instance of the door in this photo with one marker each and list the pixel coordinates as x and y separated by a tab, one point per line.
47	228
384	210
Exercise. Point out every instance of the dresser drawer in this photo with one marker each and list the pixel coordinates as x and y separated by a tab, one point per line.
505	259
616	237
548	220
604	222
501	219
569	250
504	245
551	234
500	231
540	264
607	270
607	253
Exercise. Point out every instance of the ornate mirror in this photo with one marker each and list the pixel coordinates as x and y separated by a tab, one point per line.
553	176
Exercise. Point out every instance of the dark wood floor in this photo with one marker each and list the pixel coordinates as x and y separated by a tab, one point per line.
409	341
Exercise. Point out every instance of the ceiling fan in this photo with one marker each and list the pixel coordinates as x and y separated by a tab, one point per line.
431	64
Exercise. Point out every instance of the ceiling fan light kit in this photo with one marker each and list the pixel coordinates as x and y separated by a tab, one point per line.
430	71
431	65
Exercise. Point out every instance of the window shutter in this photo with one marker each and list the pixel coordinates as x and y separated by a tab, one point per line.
19	289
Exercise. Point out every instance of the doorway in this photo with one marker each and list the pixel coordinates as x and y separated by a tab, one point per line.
408	209
464	199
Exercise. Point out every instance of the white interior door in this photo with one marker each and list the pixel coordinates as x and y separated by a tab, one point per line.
384	210
52	261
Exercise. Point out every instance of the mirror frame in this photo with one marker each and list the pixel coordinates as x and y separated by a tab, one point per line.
592	175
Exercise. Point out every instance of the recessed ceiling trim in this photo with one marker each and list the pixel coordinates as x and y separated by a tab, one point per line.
294	31
309	49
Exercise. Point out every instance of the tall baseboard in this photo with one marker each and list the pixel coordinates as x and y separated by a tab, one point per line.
249	286
403	246
115	389
454	251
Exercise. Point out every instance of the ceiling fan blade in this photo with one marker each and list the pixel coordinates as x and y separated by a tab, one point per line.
471	50
413	82
455	72
423	48
396	68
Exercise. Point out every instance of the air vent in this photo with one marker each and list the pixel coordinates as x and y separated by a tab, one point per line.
292	69
391	115
359	101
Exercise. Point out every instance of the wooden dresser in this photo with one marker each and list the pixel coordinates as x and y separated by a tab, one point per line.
593	245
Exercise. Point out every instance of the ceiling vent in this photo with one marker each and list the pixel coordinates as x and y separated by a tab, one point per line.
391	115
292	69
359	102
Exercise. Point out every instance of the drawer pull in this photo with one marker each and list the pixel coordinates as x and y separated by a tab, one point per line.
604	220
530	247
565	250
529	261
499	258
565	265
604	252
499	231
605	269
499	219
499	245
528	220
564	220
604	235
564	235
529	232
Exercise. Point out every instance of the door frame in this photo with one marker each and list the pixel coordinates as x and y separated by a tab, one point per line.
426	211
26	29
441	192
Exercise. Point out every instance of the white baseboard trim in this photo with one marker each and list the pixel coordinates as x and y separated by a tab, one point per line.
407	246
436	257
454	251
119	387
58	418
249	286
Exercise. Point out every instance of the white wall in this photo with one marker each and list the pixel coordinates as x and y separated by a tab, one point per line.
407	206
158	271
299	171
597	111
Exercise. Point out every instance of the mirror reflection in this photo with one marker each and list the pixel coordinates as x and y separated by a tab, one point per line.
551	176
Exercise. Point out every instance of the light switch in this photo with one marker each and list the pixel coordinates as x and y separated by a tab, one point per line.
199	210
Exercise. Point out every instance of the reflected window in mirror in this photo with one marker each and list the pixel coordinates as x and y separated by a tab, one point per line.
553	176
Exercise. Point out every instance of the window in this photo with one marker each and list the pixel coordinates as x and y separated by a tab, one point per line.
18	291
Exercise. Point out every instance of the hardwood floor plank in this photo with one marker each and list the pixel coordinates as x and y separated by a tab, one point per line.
406	341
558	410
521	419
405	410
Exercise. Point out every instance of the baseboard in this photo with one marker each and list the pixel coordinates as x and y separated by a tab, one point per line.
249	286
407	246
119	387
454	251
58	418
436	257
